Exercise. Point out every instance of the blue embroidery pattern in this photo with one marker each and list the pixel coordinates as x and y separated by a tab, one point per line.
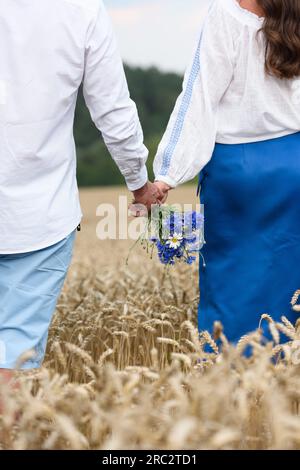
186	101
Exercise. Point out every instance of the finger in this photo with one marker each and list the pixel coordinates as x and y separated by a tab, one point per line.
156	196
164	199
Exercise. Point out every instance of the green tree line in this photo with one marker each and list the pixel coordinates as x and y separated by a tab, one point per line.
155	94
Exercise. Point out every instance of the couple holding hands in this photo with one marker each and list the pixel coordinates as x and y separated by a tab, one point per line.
236	124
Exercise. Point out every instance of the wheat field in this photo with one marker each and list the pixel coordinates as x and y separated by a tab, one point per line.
126	369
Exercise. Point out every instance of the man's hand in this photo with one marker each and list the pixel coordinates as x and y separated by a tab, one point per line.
150	194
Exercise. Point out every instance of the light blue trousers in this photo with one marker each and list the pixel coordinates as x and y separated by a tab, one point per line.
30	284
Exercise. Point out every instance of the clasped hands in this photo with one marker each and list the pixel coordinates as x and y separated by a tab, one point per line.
147	196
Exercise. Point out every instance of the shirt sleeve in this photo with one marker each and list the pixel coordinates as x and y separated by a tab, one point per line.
189	140
107	97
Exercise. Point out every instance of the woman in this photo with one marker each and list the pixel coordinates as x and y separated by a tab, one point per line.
237	122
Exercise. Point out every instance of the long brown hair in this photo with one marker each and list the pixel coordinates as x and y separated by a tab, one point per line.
282	32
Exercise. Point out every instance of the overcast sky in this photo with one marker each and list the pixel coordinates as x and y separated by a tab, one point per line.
157	32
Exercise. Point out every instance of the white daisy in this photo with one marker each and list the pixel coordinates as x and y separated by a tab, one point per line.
174	241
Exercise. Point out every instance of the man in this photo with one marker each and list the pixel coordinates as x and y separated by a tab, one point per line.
48	48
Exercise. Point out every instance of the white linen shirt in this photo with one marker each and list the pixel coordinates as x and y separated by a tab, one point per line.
47	49
227	96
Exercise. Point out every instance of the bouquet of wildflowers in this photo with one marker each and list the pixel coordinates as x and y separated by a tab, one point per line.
177	235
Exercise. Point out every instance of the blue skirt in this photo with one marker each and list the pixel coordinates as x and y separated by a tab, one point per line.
251	197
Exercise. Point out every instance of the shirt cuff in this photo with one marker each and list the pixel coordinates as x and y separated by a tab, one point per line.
166	179
138	180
